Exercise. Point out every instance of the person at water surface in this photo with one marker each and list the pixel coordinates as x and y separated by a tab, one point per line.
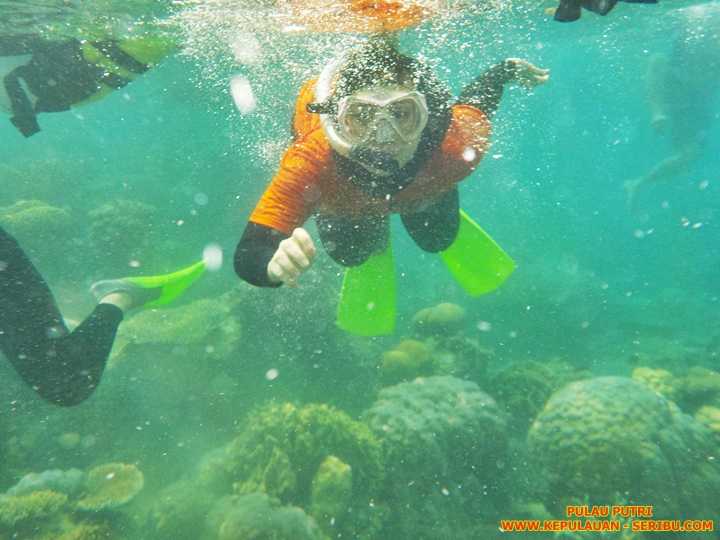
570	10
377	133
41	76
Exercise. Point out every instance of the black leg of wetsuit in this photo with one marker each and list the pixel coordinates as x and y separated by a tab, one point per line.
435	227
64	368
350	242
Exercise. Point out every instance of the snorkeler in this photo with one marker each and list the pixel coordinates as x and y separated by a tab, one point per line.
683	95
65	367
376	134
570	10
39	76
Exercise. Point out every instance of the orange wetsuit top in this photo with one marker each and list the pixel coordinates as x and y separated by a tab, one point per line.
308	180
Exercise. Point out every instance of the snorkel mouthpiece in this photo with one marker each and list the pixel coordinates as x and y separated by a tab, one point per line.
376	160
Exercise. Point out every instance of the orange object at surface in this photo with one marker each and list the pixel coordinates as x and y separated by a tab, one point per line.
358	16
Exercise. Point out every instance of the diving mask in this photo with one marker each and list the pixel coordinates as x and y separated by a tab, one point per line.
385	116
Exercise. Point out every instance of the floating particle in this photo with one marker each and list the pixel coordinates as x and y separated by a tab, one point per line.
246	49
469	154
484	326
242	94
213	256
272	374
703	185
200	199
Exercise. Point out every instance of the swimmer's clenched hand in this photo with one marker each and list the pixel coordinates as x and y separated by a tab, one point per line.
294	255
528	75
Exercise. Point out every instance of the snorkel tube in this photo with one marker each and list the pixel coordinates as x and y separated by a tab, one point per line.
323	94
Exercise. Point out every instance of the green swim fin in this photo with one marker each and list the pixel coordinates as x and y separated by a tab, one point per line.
368	298
172	285
475	260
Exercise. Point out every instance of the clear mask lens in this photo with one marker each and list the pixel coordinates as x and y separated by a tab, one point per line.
360	118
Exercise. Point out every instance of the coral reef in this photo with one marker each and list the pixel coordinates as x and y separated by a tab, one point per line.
110	486
69	482
607	437
407	360
45	232
24	510
660	380
523	388
283	448
445	445
257	516
700	386
331	490
203	327
710	418
444	319
121	232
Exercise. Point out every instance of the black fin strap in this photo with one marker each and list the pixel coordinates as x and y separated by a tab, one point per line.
113	51
23	118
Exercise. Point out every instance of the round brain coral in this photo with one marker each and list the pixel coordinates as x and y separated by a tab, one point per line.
612	439
445	446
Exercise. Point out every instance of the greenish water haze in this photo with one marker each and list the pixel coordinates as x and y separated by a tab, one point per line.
600	289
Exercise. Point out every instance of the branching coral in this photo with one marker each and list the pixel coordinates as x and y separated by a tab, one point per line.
284	447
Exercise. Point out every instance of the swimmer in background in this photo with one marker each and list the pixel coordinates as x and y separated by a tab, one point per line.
683	89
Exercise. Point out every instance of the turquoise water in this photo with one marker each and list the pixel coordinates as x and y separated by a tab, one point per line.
198	396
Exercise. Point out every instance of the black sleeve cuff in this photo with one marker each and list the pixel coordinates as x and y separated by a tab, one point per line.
253	253
485	91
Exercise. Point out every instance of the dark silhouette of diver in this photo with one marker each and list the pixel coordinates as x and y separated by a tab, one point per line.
570	10
65	367
40	76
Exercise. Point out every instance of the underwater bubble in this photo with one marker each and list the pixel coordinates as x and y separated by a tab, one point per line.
54	332
697	225
370	306
246	49
584	325
272	374
445	491
469	154
200	199
484	326
639	234
242	94
665	205
703	185
134	263
684	221
513	334
180	222
3	265
213	256
497	156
